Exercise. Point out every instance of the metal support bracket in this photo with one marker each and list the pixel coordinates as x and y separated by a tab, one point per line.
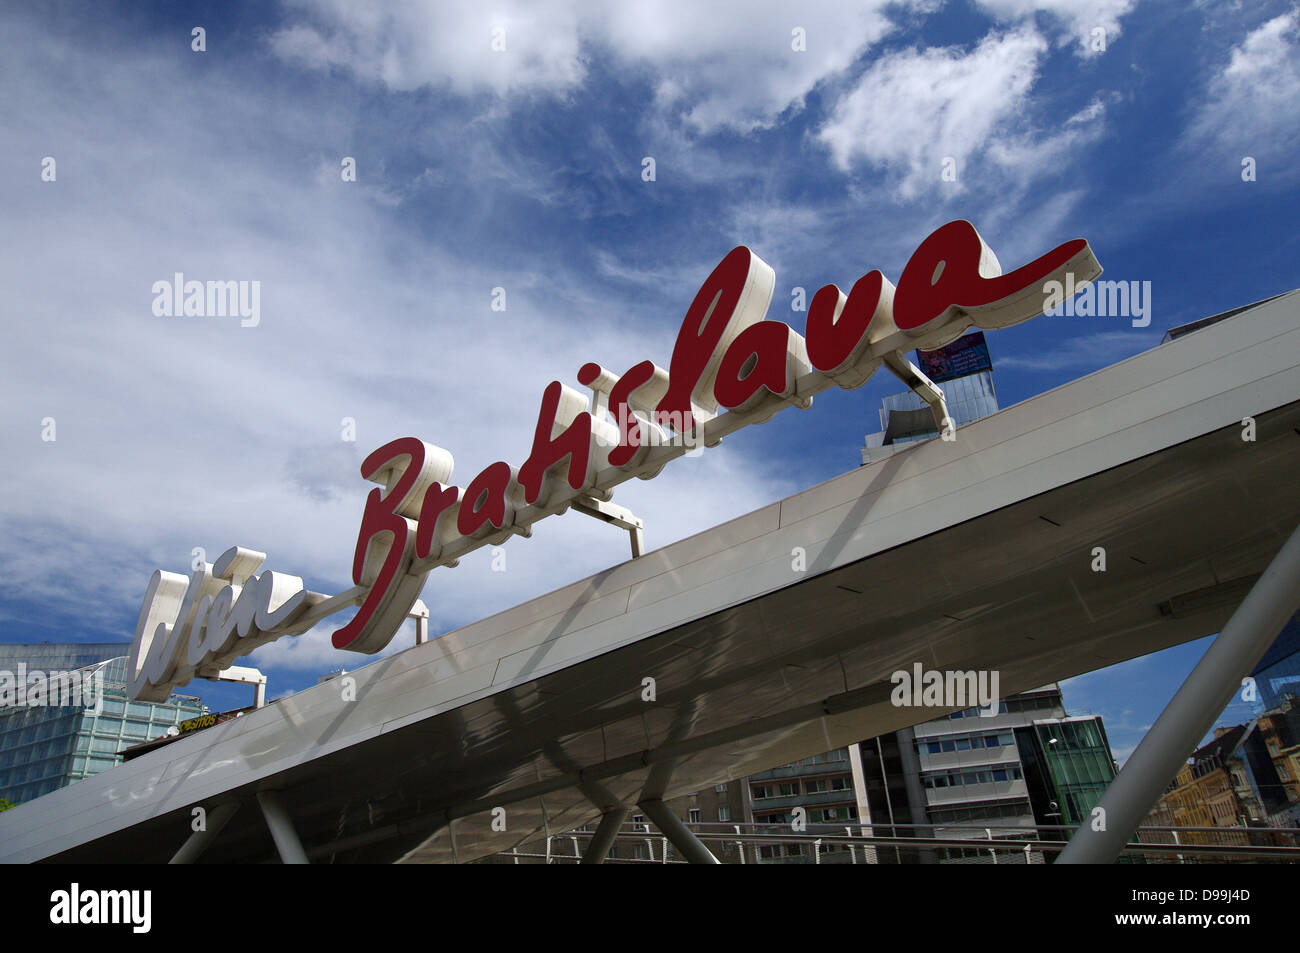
240	675
923	387
615	515
286	839
420	613
201	840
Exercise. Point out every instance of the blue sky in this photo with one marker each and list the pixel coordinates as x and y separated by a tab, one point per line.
522	169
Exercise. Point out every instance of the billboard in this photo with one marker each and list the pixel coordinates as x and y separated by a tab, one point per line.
966	355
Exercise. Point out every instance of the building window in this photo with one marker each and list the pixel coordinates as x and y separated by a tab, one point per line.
720	788
695	815
724	813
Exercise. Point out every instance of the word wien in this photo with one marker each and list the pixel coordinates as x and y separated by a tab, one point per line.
222	611
730	368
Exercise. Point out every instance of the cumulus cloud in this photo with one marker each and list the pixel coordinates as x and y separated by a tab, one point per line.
509	47
736	63
742	64
733	63
1252	104
1077	20
914	109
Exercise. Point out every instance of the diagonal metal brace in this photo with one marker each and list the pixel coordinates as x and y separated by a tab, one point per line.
923	387
615	515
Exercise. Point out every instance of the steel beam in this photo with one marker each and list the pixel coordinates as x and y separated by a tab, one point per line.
1191	712
286	839
678	834
200	840
603	839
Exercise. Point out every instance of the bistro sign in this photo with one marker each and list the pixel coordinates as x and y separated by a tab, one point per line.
730	367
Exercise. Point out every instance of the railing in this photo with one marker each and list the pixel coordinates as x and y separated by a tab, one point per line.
912	844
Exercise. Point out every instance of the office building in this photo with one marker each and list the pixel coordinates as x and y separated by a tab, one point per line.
969	775
822	786
964	372
44	747
1278	672
1028	765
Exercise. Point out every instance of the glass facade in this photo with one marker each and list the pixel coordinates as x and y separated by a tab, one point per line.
43	748
905	418
1069	766
60	656
968	398
1278	672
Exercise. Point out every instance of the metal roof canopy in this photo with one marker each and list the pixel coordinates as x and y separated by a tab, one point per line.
974	554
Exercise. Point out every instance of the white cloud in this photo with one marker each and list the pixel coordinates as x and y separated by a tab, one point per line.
733	63
915	108
720	64
1252	105
725	64
408	45
1078	18
1031	154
